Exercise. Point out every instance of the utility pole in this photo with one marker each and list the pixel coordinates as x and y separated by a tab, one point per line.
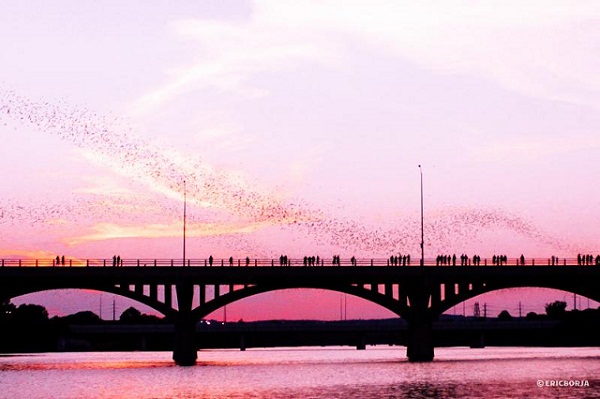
184	210
520	310
345	307
114	309
485	310
422	234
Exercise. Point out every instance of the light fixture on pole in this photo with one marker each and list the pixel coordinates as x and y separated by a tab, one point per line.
184	211
422	235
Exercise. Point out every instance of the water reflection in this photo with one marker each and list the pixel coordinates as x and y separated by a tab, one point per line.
303	373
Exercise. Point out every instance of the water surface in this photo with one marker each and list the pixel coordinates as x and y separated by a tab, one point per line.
305	373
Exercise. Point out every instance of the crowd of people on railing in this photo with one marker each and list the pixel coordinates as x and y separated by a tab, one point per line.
499	260
447	260
400	260
586	260
336	260
311	260
117	261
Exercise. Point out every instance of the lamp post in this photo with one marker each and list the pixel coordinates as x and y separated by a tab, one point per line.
184	211
422	235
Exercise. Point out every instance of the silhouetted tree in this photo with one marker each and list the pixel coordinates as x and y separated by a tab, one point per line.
30	314
134	316
504	316
85	317
556	309
130	315
532	316
7	310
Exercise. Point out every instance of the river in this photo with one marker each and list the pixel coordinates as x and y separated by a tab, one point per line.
378	372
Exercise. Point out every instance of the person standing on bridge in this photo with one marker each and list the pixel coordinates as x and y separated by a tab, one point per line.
231	261
522	260
210	260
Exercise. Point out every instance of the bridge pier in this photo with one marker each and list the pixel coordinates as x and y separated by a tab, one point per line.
185	352
420	341
419	347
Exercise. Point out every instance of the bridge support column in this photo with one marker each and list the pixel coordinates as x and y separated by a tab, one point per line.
420	325
185	352
420	341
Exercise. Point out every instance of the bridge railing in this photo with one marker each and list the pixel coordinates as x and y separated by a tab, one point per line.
294	262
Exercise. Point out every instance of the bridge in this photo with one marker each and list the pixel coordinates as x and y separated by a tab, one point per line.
187	291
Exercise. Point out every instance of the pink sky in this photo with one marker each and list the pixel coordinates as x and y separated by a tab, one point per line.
298	127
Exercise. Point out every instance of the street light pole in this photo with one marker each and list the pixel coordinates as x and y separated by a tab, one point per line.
184	211
422	234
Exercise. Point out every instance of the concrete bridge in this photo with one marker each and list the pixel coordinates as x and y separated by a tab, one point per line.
186	294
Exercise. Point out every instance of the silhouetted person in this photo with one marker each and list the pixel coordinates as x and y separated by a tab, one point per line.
210	260
57	260
247	261
231	261
63	260
522	260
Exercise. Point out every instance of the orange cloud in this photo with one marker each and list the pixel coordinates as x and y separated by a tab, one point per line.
26	254
45	258
108	231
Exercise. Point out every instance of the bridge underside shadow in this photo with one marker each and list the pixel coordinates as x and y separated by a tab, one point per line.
417	294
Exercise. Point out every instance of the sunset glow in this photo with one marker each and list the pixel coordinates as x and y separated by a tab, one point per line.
297	128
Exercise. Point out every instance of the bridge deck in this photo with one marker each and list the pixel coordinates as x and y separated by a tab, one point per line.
294	262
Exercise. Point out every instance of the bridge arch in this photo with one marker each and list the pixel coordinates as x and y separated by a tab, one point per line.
377	298
439	307
154	304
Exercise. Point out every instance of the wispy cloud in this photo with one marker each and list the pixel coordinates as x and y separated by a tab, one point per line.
108	231
26	254
511	43
533	149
